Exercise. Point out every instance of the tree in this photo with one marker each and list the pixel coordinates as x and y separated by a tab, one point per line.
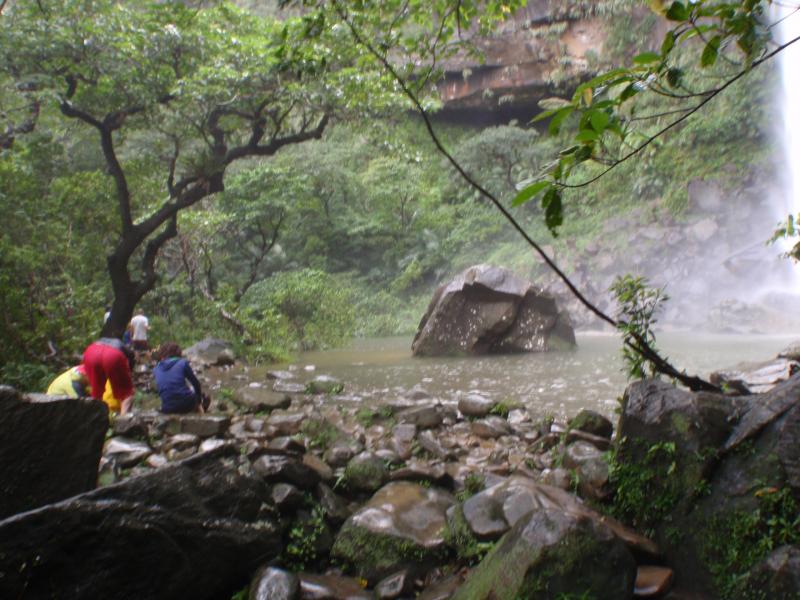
186	91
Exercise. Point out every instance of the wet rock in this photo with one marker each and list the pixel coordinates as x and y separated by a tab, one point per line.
366	472
418	393
756	378
286	445
550	553
277	468
181	514
395	585
179	442
488	309
336	509
286	497
286	424
400	527
126	453
493	511
279	375
791	352
132	426
331	587
652	581
574	435
475	405
261	399
442	590
417	471
778	576
324	384
592	422
491	427
591	468
203	426
402	442
734	448
560	478
271	583
210	352
424	417
321	467
157	461
211	444
49	449
428	441
288	387
339	454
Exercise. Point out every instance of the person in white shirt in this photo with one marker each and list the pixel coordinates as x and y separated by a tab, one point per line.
138	328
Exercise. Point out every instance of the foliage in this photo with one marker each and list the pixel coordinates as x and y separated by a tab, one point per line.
603	109
315	309
473	483
647	488
787	230
742	539
638	305
301	549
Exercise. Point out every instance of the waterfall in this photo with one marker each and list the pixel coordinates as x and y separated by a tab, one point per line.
787	16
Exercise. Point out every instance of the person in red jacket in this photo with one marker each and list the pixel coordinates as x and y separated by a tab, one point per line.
107	360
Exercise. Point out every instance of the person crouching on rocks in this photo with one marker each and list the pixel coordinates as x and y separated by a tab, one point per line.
171	374
72	383
109	360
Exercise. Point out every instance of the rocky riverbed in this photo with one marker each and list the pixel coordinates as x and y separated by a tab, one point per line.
288	494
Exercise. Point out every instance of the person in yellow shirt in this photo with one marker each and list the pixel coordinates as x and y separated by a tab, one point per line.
114	405
72	383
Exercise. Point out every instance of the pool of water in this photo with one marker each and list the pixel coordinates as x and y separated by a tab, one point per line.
557	383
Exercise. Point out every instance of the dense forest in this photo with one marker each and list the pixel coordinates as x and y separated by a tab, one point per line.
343	232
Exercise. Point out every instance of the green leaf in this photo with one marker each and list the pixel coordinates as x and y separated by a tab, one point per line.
558	118
530	192
645	58
628	92
599	120
674	77
710	52
678	12
553	213
587	135
598	81
668	44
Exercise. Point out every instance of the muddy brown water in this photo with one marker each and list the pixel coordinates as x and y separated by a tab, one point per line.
375	371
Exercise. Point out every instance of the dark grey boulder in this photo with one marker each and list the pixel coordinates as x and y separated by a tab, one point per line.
194	529
777	577
366	472
49	449
592	422
729	459
487	309
211	352
279	468
550	554
259	399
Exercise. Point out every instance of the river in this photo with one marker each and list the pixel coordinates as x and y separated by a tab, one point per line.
556	383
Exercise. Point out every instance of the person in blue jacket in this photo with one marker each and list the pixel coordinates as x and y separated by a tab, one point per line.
172	373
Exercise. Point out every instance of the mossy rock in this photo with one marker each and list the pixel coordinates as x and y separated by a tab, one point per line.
549	554
402	526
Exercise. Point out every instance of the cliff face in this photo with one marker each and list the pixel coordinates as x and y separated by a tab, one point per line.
545	49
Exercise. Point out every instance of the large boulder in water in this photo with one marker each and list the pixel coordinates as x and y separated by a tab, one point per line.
193	529
487	310
210	352
50	448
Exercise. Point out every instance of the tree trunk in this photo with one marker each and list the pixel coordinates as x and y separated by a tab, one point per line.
125	297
